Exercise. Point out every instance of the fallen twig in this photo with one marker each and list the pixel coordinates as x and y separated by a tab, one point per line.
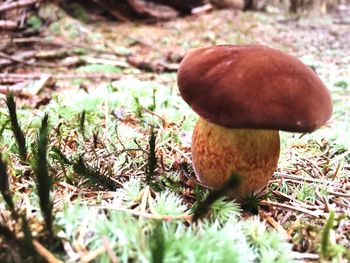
157	66
300	256
185	217
113	258
145	195
95	253
102	61
25	62
13	5
49	257
299	209
304	179
275	224
67	45
8	25
6	77
201	9
297	202
339	194
39	85
18	89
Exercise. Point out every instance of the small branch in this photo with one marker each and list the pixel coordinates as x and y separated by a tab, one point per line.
95	253
67	45
304	179
145	195
299	209
150	66
25	62
45	253
275	224
13	5
301	256
107	245
339	194
294	201
182	154
18	89
8	25
13	77
147	215
201	9
157	115
39	85
112	62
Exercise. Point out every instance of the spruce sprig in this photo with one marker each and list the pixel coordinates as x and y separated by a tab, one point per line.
15	126
94	176
214	195
7	234
43	178
82	122
152	158
325	240
27	242
23	245
157	243
5	187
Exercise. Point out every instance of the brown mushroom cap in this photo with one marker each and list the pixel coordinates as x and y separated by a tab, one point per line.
253	87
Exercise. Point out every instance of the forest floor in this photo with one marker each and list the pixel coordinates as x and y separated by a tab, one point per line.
120	137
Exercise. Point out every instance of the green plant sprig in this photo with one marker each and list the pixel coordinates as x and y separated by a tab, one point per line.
5	187
16	128
43	178
214	195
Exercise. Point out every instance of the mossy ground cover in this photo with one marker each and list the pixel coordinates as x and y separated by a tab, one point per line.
104	172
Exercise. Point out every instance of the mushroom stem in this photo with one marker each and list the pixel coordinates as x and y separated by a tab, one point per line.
217	152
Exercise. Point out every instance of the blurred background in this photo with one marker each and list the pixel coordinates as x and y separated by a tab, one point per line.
119	141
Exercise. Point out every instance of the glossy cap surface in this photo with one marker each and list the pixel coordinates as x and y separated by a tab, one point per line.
254	87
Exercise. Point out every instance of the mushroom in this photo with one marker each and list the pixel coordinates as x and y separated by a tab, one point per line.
245	94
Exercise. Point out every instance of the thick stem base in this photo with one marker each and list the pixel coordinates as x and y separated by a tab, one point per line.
217	152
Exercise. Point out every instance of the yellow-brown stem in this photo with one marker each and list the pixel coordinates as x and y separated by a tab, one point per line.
217	152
